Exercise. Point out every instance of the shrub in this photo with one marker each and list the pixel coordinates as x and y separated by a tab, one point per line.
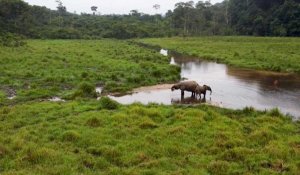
12	40
85	90
107	103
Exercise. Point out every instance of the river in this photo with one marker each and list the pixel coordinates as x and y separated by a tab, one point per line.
232	87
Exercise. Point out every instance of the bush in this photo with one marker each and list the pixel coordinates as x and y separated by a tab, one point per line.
107	103
12	40
65	33
85	90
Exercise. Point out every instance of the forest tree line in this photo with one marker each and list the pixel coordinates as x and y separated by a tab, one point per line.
231	17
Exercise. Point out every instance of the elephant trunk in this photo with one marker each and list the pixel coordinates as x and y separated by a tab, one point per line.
173	88
209	89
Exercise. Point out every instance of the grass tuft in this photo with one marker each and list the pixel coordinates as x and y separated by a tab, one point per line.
218	167
94	122
70	136
107	103
275	112
148	124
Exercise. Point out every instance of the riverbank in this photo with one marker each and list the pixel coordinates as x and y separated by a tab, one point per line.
93	137
264	53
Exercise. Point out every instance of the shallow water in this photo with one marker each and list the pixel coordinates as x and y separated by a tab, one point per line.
56	99
232	87
11	97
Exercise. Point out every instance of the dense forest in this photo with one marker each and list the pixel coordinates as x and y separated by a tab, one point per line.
231	17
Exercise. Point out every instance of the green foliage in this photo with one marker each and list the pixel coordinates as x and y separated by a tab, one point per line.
107	103
265	18
266	53
139	139
230	17
11	40
85	90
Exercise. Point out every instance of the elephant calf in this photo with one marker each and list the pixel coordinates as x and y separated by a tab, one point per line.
202	90
189	86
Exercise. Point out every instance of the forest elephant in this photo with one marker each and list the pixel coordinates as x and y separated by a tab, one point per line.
189	86
202	90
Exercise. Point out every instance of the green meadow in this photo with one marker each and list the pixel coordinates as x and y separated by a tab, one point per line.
265	53
69	68
86	136
102	137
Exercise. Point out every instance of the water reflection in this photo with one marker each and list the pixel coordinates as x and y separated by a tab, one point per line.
233	87
189	100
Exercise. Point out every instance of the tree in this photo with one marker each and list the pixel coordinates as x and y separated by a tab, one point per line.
61	11
60	8
156	6
94	9
182	15
244	17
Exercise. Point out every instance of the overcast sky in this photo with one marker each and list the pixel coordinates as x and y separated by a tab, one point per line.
112	6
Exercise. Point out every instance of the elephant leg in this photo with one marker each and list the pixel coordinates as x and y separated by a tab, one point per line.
182	93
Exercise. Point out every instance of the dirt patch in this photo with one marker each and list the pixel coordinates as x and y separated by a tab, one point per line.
153	88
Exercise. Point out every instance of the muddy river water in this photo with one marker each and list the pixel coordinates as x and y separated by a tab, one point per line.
232	87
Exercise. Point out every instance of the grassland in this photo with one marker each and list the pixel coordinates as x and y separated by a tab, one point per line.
276	54
91	137
65	68
85	136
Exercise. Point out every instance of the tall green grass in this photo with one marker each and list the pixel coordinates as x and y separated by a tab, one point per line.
89	137
266	53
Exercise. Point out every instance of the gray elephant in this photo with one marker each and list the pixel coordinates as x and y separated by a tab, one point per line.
189	86
202	90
